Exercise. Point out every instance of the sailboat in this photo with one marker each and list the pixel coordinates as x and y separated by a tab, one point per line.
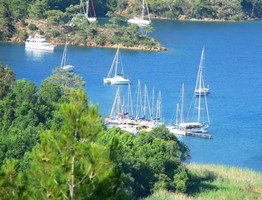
177	129
116	79
118	117
198	125
89	11
200	88
64	64
140	21
202	121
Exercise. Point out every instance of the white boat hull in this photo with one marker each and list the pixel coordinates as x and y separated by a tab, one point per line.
117	80
107	81
139	22
47	46
91	19
176	131
68	67
202	91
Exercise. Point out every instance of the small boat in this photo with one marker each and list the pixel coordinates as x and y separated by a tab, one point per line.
39	42
200	88
141	21
89	11
63	65
116	78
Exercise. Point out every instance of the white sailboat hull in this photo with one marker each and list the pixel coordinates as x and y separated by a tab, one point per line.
176	131
91	19
107	80
139	21
117	80
68	67
201	91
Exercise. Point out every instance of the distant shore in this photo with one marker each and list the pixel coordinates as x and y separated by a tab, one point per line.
73	42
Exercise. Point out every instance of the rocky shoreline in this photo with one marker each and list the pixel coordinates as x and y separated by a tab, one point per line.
73	39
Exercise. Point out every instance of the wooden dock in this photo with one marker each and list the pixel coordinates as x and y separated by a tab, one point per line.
201	135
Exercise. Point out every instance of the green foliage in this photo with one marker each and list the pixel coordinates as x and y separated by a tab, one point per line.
202	11
66	79
32	27
23	23
181	179
11	183
6	26
19	120
22	35
55	33
7	77
216	182
149	161
50	97
56	16
37	9
18	9
68	163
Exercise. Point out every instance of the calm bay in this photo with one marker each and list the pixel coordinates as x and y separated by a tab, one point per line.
233	68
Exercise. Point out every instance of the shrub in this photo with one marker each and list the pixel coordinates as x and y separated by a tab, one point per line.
23	23
55	33
21	35
32	27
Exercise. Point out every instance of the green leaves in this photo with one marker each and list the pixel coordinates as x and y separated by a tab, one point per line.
37	9
64	151
68	162
149	161
7	77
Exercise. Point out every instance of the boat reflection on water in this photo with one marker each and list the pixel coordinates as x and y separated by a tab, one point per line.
36	54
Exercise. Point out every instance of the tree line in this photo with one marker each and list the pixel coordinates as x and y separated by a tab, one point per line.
13	14
54	145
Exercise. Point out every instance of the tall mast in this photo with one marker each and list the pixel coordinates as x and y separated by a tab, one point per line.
177	113
199	82
116	101
159	103
207	111
113	65
116	61
199	101
182	105
153	99
63	61
139	108
144	107
129	101
87	8
143	9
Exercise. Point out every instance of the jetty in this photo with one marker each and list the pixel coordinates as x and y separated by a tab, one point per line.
201	135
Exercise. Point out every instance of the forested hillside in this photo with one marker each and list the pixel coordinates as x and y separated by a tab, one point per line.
56	18
202	9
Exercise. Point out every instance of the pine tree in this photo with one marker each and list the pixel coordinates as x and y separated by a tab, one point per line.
68	163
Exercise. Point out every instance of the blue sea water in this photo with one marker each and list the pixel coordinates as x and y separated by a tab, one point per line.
233	70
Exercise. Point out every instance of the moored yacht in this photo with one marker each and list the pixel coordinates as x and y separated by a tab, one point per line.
39	42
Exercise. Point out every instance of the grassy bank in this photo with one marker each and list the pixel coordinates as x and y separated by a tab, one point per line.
218	182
